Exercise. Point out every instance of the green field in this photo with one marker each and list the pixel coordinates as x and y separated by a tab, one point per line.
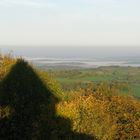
126	75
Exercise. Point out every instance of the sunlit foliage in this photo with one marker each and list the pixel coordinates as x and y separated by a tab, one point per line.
6	62
112	118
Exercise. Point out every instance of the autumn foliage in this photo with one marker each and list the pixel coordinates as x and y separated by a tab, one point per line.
97	112
114	118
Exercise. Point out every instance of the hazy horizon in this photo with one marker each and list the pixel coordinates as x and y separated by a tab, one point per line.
70	29
73	52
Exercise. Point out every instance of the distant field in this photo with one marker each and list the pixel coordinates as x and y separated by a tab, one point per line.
127	75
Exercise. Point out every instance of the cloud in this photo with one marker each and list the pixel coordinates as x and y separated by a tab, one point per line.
27	3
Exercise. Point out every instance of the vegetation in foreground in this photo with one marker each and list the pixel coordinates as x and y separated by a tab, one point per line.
33	106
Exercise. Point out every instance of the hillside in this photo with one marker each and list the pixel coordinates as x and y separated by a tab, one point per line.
33	105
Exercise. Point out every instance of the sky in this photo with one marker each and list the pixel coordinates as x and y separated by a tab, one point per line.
70	23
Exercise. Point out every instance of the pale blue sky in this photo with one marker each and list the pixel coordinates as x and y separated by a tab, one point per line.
70	22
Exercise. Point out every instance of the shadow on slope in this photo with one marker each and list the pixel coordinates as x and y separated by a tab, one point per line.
32	114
